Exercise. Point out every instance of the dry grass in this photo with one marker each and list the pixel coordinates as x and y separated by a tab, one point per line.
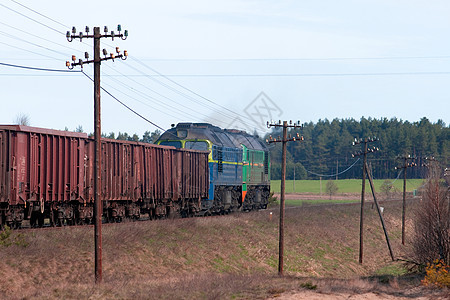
211	258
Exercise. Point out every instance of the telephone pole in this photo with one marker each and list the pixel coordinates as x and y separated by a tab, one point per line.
405	166
364	152
284	141
98	209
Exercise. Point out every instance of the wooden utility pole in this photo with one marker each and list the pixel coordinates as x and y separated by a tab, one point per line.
284	141
364	152
405	166
98	209
379	213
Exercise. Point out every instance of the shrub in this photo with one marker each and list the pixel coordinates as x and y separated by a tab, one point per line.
431	239
272	199
7	240
437	275
5	237
308	285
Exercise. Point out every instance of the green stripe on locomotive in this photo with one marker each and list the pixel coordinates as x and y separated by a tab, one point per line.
256	167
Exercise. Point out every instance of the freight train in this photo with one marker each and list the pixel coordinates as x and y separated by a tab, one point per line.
48	174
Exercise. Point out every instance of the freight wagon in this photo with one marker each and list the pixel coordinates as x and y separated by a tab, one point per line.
49	174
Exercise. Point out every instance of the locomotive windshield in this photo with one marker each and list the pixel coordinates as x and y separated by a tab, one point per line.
196	145
175	144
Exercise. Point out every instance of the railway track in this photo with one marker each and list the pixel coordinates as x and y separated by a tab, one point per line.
144	218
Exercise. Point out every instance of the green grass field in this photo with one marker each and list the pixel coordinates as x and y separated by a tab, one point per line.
344	185
298	202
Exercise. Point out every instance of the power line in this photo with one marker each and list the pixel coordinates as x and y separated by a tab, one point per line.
26	50
34	20
167	76
31	43
36	36
193	92
38	69
174	89
30	18
159	94
141	94
296	59
36	12
337	174
129	108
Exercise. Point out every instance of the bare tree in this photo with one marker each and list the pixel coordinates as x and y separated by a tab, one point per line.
387	188
432	221
331	188
22	119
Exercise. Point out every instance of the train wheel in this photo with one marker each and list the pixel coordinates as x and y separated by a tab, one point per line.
33	219
41	220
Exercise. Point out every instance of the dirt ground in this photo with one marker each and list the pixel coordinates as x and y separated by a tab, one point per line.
310	295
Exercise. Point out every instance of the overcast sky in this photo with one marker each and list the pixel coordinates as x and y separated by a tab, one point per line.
231	63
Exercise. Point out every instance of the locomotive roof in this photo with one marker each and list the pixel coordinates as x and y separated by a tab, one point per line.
218	136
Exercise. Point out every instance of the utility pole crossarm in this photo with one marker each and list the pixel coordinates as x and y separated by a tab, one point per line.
96	36
284	141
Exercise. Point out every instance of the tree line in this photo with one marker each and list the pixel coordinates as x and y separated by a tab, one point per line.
148	136
327	148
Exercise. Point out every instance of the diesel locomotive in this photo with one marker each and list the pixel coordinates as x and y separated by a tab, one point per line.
239	165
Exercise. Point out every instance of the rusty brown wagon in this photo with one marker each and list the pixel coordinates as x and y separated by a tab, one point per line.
49	174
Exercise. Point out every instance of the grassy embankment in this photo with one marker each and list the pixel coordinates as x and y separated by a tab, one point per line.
227	257
349	190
